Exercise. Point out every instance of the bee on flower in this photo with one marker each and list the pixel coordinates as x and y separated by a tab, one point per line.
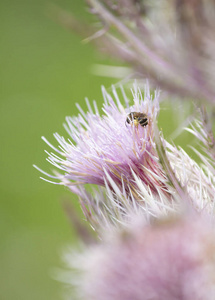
137	118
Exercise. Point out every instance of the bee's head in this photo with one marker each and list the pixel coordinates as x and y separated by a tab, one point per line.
129	118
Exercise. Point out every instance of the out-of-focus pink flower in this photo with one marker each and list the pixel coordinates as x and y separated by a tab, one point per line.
170	41
172	259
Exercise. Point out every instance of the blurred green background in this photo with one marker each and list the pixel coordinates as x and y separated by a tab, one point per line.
45	69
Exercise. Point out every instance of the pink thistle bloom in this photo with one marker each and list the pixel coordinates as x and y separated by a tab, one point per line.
113	144
170	259
125	161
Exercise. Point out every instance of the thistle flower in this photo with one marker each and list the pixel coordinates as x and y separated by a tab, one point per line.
133	168
170	259
111	146
107	144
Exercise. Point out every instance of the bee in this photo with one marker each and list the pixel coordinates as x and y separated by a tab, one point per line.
137	118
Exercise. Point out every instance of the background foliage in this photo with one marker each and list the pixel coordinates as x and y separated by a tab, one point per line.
44	71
